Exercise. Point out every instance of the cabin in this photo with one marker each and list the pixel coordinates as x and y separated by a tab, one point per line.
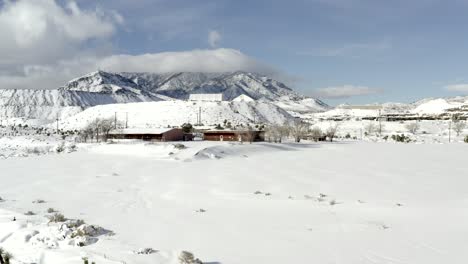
206	97
234	135
151	134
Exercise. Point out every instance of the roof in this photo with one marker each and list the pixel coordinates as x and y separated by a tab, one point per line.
137	131
231	131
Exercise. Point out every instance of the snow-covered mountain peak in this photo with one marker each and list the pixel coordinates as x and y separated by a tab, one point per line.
102	82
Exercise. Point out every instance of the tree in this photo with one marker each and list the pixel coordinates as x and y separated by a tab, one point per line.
370	128
106	125
412	127
298	129
331	131
276	133
187	128
459	126
99	127
316	133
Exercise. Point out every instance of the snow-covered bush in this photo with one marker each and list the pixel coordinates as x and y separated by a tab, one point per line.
56	218
5	257
412	127
458	126
466	139
401	138
179	146
186	257
145	251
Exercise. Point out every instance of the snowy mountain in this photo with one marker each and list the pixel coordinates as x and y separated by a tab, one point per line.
100	88
96	88
231	85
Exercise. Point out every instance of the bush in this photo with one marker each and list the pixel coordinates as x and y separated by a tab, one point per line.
5	257
401	138
29	213
466	139
57	218
186	257
51	210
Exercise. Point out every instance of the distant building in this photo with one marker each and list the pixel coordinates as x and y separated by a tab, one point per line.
151	134
234	135
206	97
243	98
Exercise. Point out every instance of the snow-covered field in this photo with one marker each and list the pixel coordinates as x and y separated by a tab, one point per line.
345	203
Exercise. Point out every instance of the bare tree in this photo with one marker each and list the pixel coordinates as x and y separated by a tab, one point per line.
276	133
249	134
99	127
459	126
331	131
106	125
370	128
316	133
298	129
413	127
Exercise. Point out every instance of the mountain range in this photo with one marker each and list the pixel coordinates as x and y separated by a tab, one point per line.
100	88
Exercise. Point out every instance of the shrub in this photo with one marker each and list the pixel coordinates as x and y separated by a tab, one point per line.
56	218
29	213
466	141
401	138
51	210
179	146
186	257
412	127
5	257
39	201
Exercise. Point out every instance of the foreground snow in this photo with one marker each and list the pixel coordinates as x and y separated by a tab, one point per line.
230	203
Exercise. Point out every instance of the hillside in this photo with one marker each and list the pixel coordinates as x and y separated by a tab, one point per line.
97	88
101	88
231	85
176	113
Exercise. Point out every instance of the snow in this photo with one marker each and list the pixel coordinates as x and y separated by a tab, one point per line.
176	113
437	106
141	131
242	203
243	98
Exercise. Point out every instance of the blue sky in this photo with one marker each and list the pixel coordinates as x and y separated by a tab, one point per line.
365	50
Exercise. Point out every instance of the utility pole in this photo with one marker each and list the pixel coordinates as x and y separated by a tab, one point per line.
126	119
450	129
380	122
115	120
57	124
199	116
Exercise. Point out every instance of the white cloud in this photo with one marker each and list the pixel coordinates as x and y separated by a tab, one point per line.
214	37
345	91
38	31
353	50
44	44
55	75
461	88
